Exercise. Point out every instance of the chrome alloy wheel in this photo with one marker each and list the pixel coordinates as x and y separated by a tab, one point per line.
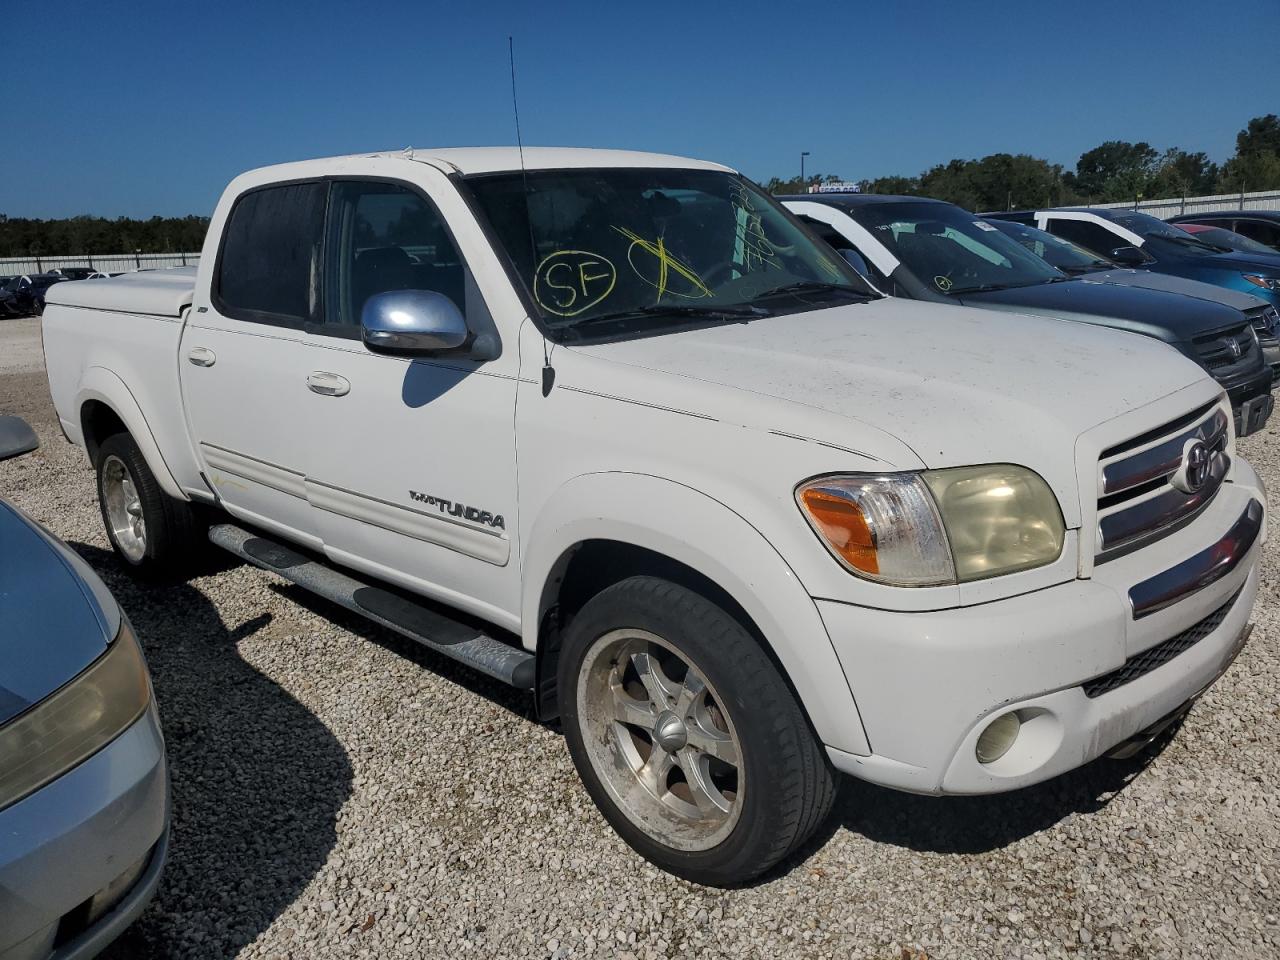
123	509
659	740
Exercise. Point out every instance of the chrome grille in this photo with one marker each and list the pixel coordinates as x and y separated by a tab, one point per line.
1264	320
1227	349
1138	500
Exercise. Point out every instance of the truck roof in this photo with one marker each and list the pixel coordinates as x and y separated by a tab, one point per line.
472	160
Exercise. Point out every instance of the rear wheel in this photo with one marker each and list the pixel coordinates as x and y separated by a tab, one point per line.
686	736
149	530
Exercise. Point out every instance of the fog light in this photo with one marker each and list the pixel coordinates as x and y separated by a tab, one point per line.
995	741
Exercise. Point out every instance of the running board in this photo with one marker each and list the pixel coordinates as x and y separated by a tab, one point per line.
444	635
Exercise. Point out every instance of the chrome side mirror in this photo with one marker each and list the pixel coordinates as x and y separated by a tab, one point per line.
16	437
412	322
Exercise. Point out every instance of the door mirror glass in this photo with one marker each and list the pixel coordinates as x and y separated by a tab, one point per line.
412	322
1129	256
16	437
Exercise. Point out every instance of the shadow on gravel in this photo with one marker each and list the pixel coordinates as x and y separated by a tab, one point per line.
972	824
257	779
518	702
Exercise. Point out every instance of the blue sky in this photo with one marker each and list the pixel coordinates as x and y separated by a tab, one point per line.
147	108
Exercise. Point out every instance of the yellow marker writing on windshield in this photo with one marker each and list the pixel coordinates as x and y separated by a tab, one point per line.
568	282
667	263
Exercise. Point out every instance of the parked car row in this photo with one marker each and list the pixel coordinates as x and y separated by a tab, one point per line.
24	295
1141	241
935	251
778	511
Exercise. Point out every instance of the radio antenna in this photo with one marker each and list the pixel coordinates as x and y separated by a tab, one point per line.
548	372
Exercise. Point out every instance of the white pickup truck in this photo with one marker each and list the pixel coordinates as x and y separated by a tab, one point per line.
617	429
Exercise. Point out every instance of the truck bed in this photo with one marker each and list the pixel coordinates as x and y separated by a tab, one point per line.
116	341
161	293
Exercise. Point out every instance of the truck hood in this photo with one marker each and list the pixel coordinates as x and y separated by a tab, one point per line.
1171	284
1156	313
55	618
911	384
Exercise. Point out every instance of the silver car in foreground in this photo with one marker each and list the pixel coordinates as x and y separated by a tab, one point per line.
84	789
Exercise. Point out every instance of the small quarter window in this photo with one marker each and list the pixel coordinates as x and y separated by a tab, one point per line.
384	236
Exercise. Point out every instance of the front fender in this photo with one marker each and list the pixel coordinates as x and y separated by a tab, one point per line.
692	528
101	384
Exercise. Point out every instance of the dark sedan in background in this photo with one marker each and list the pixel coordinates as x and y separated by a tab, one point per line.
1261	226
931	250
1225	239
24	296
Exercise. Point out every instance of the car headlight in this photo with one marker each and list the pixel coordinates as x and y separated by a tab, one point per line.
1266	283
936	527
76	722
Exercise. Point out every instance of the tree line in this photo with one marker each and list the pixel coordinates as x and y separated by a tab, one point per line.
1116	170
86	236
1113	171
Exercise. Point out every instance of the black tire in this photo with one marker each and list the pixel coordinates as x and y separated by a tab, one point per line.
789	784
173	534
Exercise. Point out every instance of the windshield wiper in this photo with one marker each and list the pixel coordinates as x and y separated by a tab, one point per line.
811	286
980	288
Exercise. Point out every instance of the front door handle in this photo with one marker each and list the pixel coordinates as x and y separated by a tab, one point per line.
328	384
202	356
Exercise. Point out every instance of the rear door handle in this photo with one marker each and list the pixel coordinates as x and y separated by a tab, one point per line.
328	384
201	356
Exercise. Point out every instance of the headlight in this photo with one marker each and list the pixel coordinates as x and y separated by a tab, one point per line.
1266	283
936	527
75	722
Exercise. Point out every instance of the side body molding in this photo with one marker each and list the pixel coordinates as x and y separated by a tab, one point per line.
99	383
681	523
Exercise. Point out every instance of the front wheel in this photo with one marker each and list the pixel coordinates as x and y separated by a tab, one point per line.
685	734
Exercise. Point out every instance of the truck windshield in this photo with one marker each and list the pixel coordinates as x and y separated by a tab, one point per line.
652	245
1150	228
1063	254
951	250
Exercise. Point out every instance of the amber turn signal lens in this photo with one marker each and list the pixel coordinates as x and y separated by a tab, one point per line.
842	523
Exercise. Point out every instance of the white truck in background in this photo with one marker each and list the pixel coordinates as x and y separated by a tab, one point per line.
617	429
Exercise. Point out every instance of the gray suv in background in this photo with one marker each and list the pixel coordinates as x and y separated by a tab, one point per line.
84	786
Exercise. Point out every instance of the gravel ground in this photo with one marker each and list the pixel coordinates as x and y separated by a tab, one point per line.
338	792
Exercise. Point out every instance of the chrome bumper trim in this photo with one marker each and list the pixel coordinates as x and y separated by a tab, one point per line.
1197	572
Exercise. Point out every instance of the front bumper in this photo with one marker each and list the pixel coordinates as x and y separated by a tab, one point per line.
74	838
1271	354
927	684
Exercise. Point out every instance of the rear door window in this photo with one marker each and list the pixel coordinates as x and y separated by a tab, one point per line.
268	266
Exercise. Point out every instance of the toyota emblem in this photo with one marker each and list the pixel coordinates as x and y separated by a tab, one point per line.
1194	469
